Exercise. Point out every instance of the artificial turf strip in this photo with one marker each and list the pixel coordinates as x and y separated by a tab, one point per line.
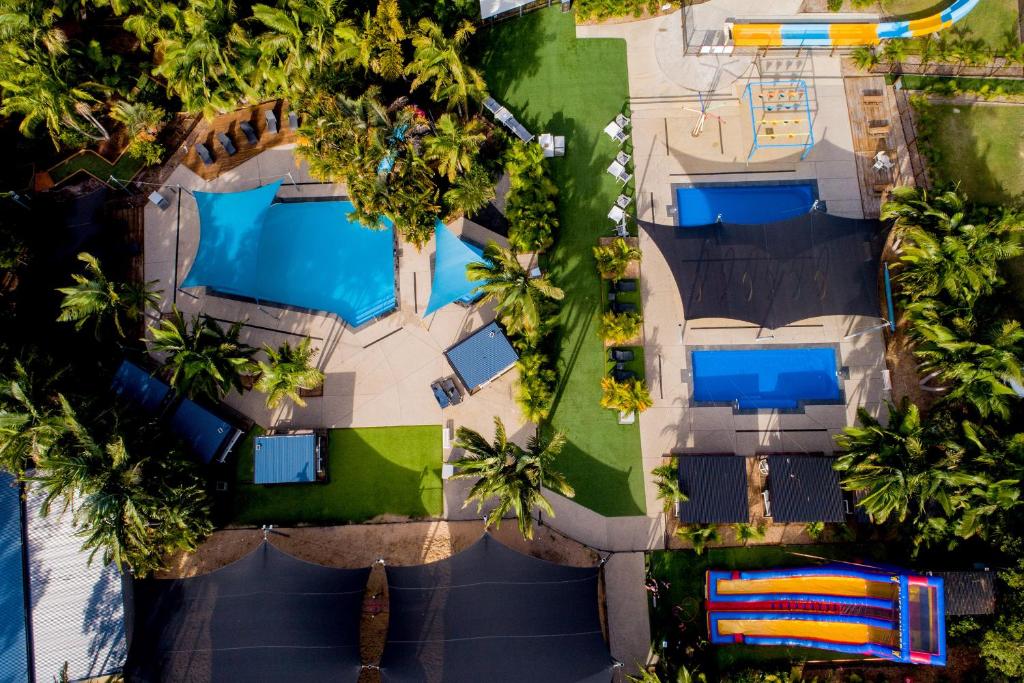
552	82
371	471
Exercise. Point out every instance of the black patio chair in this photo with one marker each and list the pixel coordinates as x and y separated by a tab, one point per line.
250	132
625	285
451	390
271	119
620	307
621	355
204	153
226	143
623	375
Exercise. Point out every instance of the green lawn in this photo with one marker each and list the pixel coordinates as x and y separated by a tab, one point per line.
554	83
981	147
90	162
991	21
680	579
371	471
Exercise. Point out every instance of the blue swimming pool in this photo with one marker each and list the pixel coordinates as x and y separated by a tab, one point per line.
743	204
765	378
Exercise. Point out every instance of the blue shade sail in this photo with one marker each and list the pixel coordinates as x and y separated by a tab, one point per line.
450	282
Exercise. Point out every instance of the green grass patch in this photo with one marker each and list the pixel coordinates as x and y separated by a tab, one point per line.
979	146
944	85
993	21
555	83
371	471
90	162
676	608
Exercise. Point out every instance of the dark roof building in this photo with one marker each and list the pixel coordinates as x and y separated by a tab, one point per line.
209	436
804	488
138	387
482	356
971	592
716	487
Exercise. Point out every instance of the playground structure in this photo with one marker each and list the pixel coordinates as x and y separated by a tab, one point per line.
851	609
780	115
842	34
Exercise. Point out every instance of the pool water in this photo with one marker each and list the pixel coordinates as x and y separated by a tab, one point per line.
765	378
743	204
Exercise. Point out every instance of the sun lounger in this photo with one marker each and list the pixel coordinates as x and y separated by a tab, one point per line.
622	120
293	120
451	391
615	132
621	355
439	395
204	153
226	143
271	119
625	285
250	132
622	158
616	215
619	307
623	200
559	145
623	375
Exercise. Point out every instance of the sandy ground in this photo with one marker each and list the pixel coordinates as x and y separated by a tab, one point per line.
359	545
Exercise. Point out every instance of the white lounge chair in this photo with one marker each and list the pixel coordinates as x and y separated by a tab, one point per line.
623	200
559	145
622	120
616	215
615	132
622	157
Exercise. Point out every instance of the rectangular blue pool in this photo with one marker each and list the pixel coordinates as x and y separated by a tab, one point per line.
765	378
747	204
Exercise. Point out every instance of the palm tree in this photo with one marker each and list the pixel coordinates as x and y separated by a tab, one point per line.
518	297
379	43
512	474
627	396
140	119
289	369
909	206
470	192
203	359
534	392
865	58
698	535
28	427
438	58
894	51
613	259
94	297
453	146
619	328
745	533
666	480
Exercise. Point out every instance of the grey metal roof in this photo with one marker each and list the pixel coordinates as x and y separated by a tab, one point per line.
482	356
13	644
804	488
285	458
717	489
77	609
972	592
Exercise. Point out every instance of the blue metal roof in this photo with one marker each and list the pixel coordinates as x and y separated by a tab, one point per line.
482	356
135	385
204	432
13	647
285	459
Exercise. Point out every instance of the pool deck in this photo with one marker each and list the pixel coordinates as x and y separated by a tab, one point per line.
376	375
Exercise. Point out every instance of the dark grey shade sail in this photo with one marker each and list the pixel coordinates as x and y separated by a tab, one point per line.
266	617
775	274
490	614
804	488
716	489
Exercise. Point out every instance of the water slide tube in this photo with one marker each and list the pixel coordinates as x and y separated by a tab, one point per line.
843	34
889	615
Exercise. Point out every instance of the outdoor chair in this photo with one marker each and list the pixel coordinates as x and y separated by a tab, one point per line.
439	395
615	132
624	177
622	120
559	145
622	157
616	169
451	391
204	153
620	230
623	200
883	162
617	215
625	285
621	355
271	121
293	120
226	143
619	307
623	375
249	131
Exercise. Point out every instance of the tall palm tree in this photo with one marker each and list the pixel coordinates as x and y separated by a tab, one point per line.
94	297
613	259
470	192
438	59
29	428
910	206
287	370
510	473
894	51
203	359
518	297
455	146
666	480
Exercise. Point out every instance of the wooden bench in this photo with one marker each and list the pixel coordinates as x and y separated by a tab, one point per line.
873	97
879	128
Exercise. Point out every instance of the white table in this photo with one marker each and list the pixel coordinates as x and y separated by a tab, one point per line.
547	143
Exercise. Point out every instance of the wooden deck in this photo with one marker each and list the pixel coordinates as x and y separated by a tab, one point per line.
206	133
876	127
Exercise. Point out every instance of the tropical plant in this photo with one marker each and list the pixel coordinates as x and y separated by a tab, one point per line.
470	192
536	388
202	358
140	119
512	474
519	299
666	481
530	203
379	42
619	328
865	57
287	370
815	530
455	146
745	533
131	505
909	206
94	297
613	259
628	396
894	51
29	427
698	535
1002	646
438	60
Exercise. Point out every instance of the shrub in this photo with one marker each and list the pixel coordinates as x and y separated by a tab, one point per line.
530	205
699	535
536	389
835	5
666	480
629	396
613	259
604	9
150	152
619	328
